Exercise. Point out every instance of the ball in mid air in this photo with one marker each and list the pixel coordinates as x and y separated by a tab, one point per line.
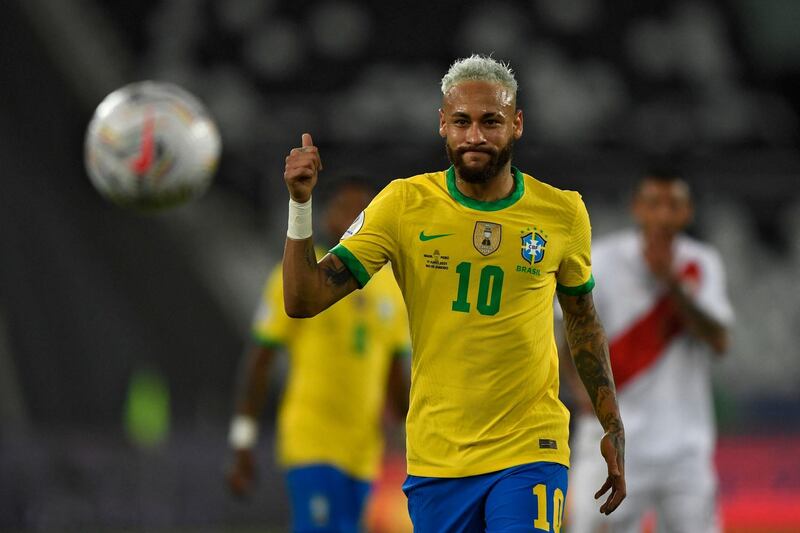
151	145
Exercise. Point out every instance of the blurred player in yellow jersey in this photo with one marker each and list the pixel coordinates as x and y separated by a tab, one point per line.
479	251
342	365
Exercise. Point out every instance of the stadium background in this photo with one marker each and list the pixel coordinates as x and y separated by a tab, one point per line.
120	334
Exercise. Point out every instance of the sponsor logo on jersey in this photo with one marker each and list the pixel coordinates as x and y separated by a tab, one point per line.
424	237
548	444
533	244
487	236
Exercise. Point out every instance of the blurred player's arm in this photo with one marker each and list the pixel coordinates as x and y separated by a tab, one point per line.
697	321
658	255
589	346
309	286
251	396
398	386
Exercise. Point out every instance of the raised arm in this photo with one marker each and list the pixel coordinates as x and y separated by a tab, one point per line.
309	287
589	346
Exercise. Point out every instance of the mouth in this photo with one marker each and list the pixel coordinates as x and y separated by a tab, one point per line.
475	153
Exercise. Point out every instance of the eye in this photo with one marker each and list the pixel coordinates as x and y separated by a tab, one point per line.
491	122
460	122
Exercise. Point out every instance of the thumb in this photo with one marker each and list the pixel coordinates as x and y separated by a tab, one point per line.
307	140
609	453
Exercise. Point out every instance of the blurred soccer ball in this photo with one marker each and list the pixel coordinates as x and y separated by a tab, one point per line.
151	145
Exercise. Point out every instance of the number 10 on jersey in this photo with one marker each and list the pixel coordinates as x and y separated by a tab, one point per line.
490	288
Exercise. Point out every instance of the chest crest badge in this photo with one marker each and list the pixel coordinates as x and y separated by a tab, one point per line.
487	236
533	245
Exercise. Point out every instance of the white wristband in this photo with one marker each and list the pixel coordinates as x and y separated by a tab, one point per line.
243	433
299	220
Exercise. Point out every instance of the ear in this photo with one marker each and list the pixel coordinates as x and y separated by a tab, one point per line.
518	125
442	124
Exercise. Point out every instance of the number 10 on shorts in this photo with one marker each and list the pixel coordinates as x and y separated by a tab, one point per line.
541	522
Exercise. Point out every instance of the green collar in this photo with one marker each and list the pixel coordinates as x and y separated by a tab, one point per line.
511	199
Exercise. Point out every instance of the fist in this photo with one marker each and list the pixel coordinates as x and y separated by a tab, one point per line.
302	166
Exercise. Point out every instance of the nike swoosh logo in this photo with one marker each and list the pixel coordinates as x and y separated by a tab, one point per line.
142	164
424	237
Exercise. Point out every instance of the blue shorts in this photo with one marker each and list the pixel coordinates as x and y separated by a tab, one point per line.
526	498
325	500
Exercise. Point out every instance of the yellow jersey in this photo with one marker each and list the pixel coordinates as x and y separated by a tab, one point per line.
338	368
478	280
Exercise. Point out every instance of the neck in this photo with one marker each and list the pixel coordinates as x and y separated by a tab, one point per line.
499	186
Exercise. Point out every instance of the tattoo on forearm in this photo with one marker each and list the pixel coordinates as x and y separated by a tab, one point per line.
589	347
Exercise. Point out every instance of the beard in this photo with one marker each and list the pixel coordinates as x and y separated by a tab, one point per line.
497	160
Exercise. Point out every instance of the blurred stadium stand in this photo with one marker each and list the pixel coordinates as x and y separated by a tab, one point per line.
90	294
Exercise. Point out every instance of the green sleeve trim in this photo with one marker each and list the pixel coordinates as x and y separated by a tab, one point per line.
577	291
353	265
266	341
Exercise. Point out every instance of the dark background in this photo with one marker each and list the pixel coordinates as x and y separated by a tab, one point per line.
95	300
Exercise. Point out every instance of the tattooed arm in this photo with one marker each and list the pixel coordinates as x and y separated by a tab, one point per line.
310	287
589	347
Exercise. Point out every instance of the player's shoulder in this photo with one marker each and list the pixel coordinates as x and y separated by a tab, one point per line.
695	248
614	250
417	190
424	183
541	191
417	184
616	242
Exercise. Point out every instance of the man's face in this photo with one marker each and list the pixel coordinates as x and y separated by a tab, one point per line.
479	122
662	208
343	208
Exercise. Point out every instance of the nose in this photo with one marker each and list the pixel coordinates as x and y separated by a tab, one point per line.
475	134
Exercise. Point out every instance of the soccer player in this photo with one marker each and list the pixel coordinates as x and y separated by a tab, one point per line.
342	364
478	251
662	297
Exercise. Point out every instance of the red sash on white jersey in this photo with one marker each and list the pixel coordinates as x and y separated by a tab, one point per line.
637	348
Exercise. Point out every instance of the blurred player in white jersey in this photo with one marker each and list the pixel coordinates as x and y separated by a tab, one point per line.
663	301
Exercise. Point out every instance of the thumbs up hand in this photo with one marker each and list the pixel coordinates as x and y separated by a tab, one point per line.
302	167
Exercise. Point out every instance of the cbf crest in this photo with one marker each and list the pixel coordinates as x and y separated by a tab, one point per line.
487	237
533	245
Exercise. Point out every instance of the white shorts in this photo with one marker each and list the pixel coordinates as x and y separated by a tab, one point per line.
682	494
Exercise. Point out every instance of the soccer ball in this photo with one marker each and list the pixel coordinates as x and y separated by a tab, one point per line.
151	145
